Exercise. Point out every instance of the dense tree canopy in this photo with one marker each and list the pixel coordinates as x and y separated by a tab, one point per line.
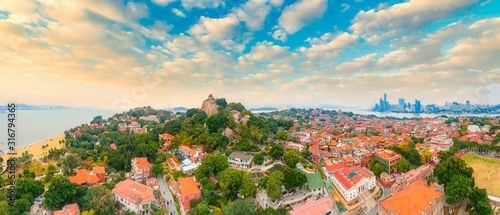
101	200
291	159
61	192
293	178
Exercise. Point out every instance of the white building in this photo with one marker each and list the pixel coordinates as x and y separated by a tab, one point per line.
441	143
240	160
133	196
351	181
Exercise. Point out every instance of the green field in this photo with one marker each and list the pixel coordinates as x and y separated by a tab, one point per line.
486	172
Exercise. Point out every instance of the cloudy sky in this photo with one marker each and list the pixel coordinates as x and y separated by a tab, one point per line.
122	54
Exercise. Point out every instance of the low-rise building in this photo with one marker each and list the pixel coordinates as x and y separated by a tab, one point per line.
414	199
85	177
441	143
193	155
240	160
68	210
189	189
133	196
318	207
388	159
351	181
141	169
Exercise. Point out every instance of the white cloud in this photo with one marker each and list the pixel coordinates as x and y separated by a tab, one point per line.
266	51
188	4
345	7
163	2
213	29
427	50
178	12
357	64
329	45
479	50
404	17
254	13
298	15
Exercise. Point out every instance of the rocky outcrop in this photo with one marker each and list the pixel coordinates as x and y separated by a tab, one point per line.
229	133
209	105
236	115
245	119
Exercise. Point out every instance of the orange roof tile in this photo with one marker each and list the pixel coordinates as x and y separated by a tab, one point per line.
142	162
188	186
99	170
415	198
134	192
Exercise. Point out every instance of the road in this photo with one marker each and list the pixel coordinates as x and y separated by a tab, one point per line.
169	199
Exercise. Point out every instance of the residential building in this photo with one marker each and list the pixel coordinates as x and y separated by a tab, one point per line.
350	181
387	159
441	143
141	169
69	210
85	177
189	190
240	160
317	207
188	153
414	199
100	172
133	196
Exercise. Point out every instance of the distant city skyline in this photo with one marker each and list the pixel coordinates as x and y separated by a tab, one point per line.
258	52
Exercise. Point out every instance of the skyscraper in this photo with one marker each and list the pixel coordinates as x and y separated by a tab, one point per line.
417	106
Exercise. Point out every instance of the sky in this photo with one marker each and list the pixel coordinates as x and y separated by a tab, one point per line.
169	53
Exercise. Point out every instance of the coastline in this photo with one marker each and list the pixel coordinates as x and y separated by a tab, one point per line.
36	149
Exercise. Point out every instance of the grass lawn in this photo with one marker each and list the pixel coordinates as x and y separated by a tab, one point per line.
486	172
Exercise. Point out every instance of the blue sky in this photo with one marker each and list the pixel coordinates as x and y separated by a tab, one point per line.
122	54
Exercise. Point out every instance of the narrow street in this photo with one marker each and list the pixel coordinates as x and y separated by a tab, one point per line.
169	200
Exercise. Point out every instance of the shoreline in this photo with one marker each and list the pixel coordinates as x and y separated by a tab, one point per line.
36	149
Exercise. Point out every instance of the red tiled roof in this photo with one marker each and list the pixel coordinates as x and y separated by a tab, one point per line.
362	172
356	178
142	162
347	171
98	170
335	167
319	206
134	192
188	186
343	180
68	210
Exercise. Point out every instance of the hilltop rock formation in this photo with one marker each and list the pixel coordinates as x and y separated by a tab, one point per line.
235	114
209	105
229	133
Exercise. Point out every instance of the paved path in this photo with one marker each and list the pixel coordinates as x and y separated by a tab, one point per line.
169	200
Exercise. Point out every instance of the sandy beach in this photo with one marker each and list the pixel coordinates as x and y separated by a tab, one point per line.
37	149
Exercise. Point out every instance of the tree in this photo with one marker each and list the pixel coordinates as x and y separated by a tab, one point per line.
221	102
61	192
100	200
454	166
22	205
403	165
276	152
248	185
173	126
293	178
258	158
274	184
306	154
459	187
376	168
236	106
228	152
427	154
282	135
216	122
479	198
193	203
243	207
199	118
404	146
29	187
291	159
414	157
230	181
191	112
201	209
71	162
157	169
